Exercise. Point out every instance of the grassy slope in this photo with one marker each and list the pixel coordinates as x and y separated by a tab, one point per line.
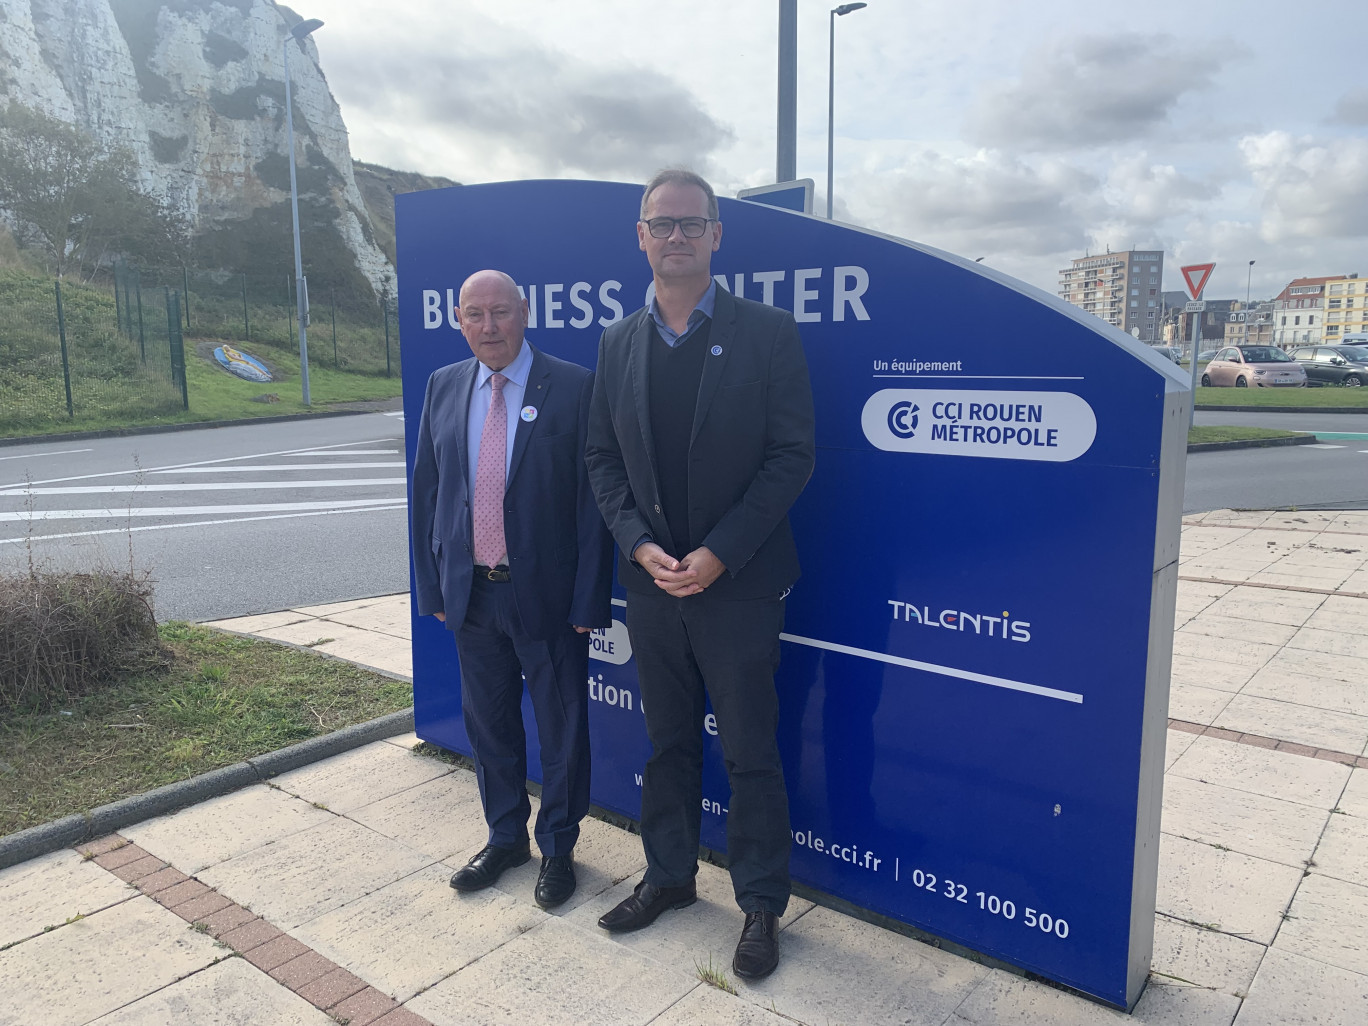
222	699
1222	433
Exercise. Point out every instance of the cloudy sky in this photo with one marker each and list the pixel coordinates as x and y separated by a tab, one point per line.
1023	133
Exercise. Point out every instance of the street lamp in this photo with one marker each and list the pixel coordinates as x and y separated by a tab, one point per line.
301	283
1249	276
840	11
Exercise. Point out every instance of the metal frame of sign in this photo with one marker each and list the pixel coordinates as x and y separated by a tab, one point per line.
795	195
975	663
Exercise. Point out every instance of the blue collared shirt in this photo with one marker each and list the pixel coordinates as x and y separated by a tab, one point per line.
703	311
513	391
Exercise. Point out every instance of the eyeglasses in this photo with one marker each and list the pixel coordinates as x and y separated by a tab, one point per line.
692	227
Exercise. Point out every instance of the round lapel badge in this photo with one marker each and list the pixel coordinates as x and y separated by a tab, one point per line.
717	350
529	413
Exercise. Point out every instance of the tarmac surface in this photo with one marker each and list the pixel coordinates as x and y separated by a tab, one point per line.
322	896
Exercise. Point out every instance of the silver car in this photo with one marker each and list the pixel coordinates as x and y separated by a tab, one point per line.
1253	367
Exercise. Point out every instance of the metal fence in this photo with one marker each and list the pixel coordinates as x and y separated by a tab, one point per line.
348	331
72	352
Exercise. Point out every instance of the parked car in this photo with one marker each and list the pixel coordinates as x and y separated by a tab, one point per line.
1334	365
1173	353
1206	355
1253	367
1354	339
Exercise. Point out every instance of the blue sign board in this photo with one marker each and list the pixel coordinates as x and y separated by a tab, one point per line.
974	685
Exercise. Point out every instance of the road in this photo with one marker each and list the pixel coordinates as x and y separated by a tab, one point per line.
259	517
229	521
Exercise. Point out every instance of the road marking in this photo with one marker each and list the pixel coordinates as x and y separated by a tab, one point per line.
198	463
396	413
278	466
207	486
1323	445
194	523
347	452
35	455
12	516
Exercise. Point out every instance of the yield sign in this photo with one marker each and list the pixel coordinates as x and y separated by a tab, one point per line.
1196	276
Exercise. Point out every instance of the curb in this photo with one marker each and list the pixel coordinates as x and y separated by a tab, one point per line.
157	429
1251	443
71	830
1283	409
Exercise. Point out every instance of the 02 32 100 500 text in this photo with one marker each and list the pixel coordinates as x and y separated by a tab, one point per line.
992	904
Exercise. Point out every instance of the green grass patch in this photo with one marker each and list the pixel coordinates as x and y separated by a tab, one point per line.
1301	398
220	699
1222	433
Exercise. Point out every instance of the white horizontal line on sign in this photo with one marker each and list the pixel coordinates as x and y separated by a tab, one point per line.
944	671
190	511
207	486
281	466
988	377
194	523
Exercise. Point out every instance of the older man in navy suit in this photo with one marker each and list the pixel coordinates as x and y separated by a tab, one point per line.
510	551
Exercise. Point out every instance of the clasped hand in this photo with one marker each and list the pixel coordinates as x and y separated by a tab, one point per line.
679	577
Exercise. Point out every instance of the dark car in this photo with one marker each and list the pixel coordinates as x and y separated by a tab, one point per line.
1334	365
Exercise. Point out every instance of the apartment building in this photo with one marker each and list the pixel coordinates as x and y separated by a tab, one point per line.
1250	324
1124	289
1299	311
1346	307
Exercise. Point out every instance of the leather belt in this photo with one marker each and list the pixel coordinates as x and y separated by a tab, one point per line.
497	574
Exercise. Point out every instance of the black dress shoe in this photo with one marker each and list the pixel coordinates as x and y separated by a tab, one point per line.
488	865
757	953
645	904
556	881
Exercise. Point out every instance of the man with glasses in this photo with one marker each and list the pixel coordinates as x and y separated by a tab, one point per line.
700	438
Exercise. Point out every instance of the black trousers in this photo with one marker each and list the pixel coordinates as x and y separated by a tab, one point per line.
731	649
496	654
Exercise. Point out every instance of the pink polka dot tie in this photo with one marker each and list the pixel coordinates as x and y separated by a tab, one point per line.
490	547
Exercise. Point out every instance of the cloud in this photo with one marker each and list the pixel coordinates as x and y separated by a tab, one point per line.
1094	90
509	107
1309	189
1352	109
983	203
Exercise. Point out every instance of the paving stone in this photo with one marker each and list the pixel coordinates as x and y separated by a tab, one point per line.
178	894
1204	958
1275	681
1267	828
406	741
391	617
310	873
708	1006
206	905
49	890
707	929
1225	890
1354	800
555	975
100	963
1343	849
1290	608
363	1007
1210	673
225	920
440	818
163	878
250	935
1167	1004
836	969
366	648
1328	921
1196	704
1322	664
401	1017
1292	990
1176	743
1004	999
118	856
1340	613
330	988
1259	771
1223	650
411	934
302	969
139	869
260	622
1240	630
1332	642
329	608
224	827
1317	728
360	777
231	993
275	952
101	845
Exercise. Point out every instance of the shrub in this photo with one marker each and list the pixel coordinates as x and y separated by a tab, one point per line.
64	635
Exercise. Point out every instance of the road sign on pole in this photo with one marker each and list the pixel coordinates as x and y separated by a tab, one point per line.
1196	276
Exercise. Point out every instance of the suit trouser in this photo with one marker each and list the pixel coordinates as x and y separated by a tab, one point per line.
731	649
495	655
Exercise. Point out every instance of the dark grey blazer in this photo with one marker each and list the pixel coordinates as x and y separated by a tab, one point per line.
751	453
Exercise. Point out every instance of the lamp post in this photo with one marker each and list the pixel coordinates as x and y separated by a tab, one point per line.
840	11
1249	276
301	283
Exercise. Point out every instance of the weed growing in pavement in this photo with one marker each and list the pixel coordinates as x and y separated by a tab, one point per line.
714	977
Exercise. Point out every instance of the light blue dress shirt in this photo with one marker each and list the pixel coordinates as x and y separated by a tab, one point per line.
513	392
701	312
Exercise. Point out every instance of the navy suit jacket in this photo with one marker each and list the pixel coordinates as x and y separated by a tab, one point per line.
751	451
559	551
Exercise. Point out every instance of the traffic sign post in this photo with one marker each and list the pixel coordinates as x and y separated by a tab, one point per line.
1195	275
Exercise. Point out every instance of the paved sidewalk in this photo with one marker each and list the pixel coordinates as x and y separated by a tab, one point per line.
330	882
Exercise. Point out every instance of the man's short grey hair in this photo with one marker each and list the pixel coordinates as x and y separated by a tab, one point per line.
679	176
